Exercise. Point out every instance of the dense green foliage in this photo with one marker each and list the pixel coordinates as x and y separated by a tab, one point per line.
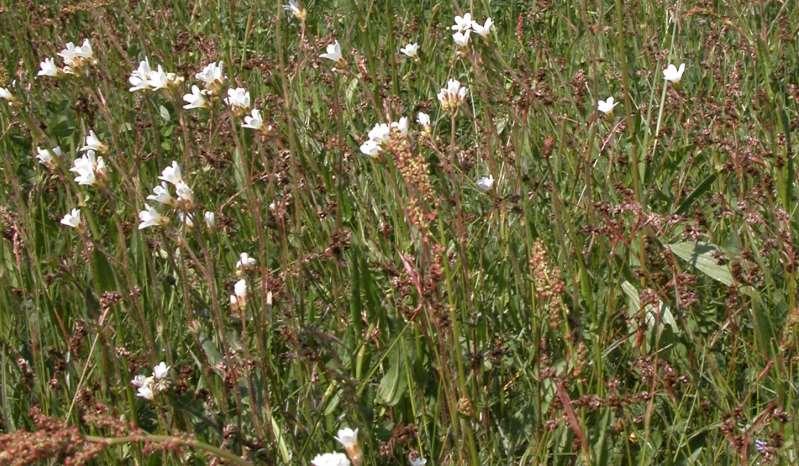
624	293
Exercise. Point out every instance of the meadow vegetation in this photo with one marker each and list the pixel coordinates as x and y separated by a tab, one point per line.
545	232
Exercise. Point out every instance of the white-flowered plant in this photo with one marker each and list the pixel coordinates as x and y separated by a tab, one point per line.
293	7
172	174
606	106
89	168
210	219
238	300
161	195
452	96
212	77
348	439
380	134
673	74
149	217
417	460
483	30
245	262
485	183
94	143
185	196
464	25
461	38
238	100
331	459
47	157
76	58
196	99
48	68
149	386
333	52
144	78
424	120
253	120
411	50
5	94
72	219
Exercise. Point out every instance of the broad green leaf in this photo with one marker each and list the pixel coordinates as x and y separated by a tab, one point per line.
703	256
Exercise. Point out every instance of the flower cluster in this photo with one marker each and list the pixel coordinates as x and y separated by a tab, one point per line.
183	200
48	157
380	135
148	387
75	59
145	78
89	168
452	96
348	439
464	26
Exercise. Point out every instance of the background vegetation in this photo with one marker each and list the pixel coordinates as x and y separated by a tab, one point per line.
625	294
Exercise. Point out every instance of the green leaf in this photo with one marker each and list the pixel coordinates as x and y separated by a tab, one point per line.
703	186
703	257
392	386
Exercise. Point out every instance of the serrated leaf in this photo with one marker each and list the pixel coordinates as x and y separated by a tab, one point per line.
703	257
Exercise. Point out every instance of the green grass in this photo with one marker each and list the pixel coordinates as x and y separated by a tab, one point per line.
625	294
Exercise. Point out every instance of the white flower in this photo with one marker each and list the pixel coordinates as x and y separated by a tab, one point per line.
245	261
485	29
151	218
463	23
75	57
423	119
417	461
139	78
186	219
347	437
333	52
146	392
451	96
185	195
254	120
380	133
94	143
673	74
401	125
47	157
141	380
370	148
238	98
6	94
88	168
161	195
240	289
196	99
160	79
172	174
295	9
485	183
461	38
48	68
210	219
72	219
160	371
212	77
411	50
606	106
331	459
